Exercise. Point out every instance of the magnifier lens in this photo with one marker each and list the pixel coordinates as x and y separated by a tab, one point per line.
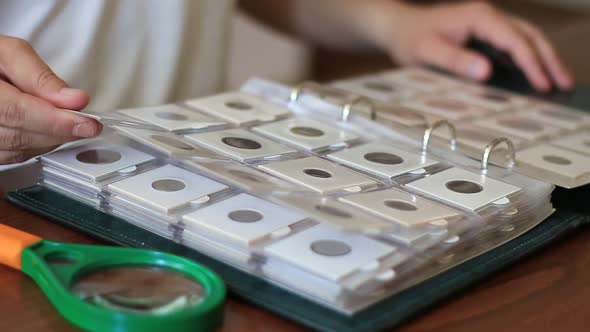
139	289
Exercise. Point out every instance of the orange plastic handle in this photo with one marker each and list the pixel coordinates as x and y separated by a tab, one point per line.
12	244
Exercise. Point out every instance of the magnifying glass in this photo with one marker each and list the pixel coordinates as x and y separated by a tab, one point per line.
100	288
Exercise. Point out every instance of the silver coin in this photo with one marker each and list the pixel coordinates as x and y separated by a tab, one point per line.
317	173
168	185
241	143
245	216
307	131
557	160
521	124
383	158
173	142
330	248
400	205
495	97
378	86
238	105
171	116
98	156
464	187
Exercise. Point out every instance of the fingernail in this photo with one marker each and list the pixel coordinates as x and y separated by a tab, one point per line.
476	70
85	129
69	92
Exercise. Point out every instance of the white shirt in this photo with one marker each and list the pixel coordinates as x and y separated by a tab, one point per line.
127	53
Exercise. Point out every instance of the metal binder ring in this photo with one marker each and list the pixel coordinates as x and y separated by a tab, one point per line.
429	130
491	146
347	108
299	88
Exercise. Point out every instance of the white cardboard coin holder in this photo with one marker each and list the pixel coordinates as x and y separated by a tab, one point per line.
97	162
578	142
522	126
240	225
340	215
382	160
245	177
169	144
239	108
559	116
490	98
319	175
244	220
167	189
307	134
415	216
174	118
445	106
347	259
399	115
241	145
375	88
466	189
561	166
420	79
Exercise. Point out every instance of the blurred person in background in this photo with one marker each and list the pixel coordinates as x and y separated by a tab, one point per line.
131	53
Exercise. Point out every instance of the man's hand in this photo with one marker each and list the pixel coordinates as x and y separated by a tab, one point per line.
436	35
412	34
31	97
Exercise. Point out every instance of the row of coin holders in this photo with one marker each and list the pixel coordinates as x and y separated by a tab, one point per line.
131	194
552	141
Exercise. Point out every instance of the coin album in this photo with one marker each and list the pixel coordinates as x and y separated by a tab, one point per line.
345	194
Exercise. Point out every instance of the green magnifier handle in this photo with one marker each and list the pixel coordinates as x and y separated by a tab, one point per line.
57	267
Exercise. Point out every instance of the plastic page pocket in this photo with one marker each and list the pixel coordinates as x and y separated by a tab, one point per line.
243	219
168	143
240	145
465	189
579	142
476	138
444	106
382	160
334	255
319	175
247	178
491	99
167	189
239	108
420	79
560	116
566	168
376	88
173	118
525	127
307	134
97	161
402	208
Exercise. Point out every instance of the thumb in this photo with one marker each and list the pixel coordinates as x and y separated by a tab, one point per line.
28	72
445	54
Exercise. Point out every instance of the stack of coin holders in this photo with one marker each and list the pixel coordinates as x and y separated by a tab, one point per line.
285	186
551	141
